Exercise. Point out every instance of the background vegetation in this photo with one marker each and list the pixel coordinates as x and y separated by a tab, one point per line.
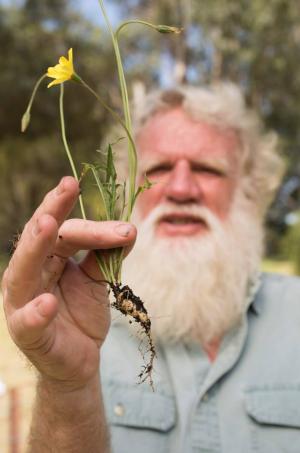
255	44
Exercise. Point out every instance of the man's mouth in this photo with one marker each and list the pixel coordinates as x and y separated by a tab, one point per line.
180	224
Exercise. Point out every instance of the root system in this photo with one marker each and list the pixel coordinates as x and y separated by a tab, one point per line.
131	305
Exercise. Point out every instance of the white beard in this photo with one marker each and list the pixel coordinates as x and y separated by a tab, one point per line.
195	287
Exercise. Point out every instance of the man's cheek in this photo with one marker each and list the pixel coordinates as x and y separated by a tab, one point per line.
147	201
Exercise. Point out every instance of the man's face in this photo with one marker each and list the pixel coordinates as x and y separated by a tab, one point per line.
194	222
192	164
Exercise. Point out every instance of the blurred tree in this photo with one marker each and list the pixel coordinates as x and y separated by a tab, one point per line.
255	44
47	10
290	244
32	37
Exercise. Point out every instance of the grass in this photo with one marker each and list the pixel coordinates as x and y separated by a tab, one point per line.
278	267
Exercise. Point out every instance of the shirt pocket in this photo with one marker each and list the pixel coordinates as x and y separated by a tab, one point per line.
274	411
139	419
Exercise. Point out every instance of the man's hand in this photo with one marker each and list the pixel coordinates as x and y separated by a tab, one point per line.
57	311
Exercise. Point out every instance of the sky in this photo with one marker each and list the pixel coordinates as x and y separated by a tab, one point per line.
90	8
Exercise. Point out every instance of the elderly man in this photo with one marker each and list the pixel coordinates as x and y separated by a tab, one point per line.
226	377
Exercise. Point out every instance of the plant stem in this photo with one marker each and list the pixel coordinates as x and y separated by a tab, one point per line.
103	267
64	138
110	110
26	117
101	262
35	90
134	21
132	155
130	139
159	28
123	85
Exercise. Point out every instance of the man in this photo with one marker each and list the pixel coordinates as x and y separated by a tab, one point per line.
226	377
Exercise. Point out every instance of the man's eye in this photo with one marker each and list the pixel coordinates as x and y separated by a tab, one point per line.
208	170
159	169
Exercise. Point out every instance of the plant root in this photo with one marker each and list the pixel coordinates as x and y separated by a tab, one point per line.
131	305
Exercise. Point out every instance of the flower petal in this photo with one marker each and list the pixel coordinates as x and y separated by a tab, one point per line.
70	55
63	71
63	61
54	82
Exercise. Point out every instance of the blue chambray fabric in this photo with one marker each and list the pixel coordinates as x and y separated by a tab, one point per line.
248	400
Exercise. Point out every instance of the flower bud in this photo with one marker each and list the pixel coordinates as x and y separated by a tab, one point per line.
25	121
167	29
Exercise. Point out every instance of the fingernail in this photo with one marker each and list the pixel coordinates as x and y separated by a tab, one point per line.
123	229
61	187
36	228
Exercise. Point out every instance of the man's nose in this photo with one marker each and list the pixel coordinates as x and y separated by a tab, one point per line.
182	186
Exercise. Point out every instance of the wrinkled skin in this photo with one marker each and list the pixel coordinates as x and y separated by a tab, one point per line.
57	310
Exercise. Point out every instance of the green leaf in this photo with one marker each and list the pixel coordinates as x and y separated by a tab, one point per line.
102	190
110	166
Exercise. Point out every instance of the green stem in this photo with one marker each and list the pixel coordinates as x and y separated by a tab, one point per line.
102	265
35	90
111	266
123	85
134	21
110	110
119	266
158	28
101	191
64	138
129	136
132	155
26	116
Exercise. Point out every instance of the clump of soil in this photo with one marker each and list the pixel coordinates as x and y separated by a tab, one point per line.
131	305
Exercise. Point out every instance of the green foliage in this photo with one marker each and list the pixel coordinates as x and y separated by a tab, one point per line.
253	43
22	183
113	202
290	245
112	194
31	38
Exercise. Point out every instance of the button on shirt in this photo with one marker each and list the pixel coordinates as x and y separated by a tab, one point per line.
247	400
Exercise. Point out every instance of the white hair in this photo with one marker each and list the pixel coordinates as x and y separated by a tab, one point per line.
195	288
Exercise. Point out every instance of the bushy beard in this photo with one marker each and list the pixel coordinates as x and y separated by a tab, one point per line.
195	287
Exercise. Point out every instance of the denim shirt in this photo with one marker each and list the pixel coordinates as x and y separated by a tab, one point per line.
247	400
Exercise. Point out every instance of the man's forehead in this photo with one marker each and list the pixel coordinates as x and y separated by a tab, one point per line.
174	134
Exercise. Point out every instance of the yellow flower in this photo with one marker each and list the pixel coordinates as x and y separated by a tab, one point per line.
63	71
